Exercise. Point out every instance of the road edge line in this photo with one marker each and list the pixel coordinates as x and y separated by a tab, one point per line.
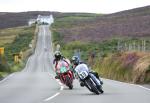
140	86
3	80
56	94
144	87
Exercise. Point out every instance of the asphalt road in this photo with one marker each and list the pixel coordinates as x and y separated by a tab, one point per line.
36	83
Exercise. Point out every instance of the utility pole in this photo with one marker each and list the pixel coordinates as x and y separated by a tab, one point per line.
134	48
139	47
129	47
144	45
126	48
118	46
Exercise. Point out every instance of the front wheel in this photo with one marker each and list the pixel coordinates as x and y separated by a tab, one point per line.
92	87
100	89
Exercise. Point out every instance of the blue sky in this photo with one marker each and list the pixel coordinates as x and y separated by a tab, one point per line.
90	6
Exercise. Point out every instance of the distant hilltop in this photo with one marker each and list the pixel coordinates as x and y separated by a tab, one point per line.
135	22
8	20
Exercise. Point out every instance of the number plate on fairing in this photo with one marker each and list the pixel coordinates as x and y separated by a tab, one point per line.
83	74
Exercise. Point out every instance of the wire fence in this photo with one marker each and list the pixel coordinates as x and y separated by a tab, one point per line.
141	46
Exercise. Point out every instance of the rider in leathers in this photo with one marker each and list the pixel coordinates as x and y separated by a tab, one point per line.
59	61
80	66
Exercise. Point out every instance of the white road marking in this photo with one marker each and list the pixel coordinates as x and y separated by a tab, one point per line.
52	97
130	84
61	88
7	77
143	87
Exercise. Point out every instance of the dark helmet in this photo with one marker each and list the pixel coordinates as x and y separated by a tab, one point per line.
57	55
75	60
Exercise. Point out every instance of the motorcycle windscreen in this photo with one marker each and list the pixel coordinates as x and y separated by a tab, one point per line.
63	70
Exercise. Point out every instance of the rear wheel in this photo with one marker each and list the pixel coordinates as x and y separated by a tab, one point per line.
71	87
69	82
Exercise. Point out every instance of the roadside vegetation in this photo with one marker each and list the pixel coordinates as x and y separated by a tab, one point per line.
130	67
121	58
68	20
15	41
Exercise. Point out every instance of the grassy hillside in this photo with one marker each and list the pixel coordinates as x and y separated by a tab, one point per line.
68	21
129	66
131	23
116	40
14	40
9	20
95	27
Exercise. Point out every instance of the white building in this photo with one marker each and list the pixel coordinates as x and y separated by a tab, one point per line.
45	19
42	20
31	21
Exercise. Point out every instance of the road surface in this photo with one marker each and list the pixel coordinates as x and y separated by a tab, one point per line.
36	83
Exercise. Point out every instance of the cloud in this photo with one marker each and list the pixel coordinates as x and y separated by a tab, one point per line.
95	6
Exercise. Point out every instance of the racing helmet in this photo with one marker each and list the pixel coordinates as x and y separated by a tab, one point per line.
57	55
75	60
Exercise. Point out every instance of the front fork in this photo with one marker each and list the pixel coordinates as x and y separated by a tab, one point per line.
95	79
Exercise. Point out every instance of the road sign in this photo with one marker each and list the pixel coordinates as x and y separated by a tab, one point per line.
1	50
16	58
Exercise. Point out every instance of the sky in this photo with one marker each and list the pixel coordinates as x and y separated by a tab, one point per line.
89	6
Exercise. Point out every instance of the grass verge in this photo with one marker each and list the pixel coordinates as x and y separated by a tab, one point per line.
19	40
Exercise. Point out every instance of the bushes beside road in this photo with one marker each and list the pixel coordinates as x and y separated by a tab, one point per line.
126	66
17	40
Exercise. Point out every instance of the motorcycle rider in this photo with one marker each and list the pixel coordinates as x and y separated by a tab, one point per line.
58	61
79	66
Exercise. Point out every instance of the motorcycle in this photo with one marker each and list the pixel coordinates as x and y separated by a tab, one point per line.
90	82
66	77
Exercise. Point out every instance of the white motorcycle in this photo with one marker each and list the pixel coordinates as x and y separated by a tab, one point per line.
91	82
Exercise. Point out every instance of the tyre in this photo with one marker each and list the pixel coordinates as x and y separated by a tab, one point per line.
92	86
100	89
69	82
70	86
